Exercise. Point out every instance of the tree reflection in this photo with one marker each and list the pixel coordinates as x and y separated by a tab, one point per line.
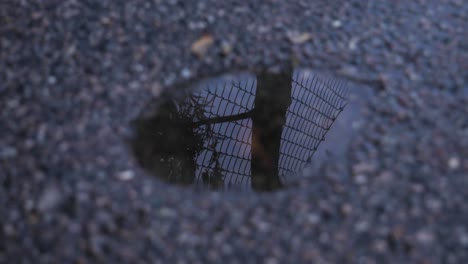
269	116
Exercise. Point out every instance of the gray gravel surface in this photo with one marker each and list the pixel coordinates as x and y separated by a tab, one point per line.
73	74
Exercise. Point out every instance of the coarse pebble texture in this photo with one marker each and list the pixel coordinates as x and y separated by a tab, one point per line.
75	73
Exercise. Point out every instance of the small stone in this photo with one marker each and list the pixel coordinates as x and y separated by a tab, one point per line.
262	226
313	219
9	230
362	226
170	79
106	21
126	175
197	25
29	204
434	204
226	248
211	19
186	73
352	45
336	23
188	238
454	163
360	179
134	85
363	167
52	80
380	246
425	237
226	48
271	260
167	212
346	209
413	76
8	152
201	46
385	177
417	188
464	239
49	199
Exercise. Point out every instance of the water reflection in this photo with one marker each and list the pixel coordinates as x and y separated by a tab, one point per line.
240	130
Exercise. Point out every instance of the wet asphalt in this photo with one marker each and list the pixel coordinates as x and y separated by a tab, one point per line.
74	74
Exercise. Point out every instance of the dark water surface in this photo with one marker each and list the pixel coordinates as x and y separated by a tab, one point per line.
245	131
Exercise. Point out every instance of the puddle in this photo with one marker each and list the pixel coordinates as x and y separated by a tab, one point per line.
241	131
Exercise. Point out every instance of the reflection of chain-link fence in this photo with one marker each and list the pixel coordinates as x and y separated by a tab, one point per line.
316	103
228	105
225	158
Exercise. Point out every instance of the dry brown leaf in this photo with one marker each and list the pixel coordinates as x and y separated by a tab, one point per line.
201	45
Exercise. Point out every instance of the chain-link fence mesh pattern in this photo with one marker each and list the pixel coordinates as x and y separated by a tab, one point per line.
226	155
316	103
227	104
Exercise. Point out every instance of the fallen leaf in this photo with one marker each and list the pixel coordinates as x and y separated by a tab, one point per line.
201	46
299	38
